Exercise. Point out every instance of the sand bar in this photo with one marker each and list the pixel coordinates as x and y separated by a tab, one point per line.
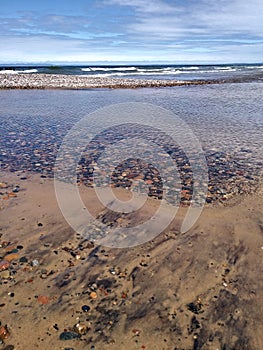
59	81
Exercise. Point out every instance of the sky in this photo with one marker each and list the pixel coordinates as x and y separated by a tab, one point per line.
126	31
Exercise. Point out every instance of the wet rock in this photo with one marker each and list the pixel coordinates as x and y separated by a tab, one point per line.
5	274
85	308
4	265
195	324
68	335
35	262
23	259
12	256
43	299
81	329
93	295
195	307
4	334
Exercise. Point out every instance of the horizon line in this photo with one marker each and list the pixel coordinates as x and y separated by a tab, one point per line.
106	62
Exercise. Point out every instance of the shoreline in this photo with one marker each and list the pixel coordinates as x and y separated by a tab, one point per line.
79	82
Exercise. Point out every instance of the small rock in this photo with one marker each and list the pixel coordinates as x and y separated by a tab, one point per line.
4	265
3	185
11	257
93	295
85	308
68	335
5	274
35	262
4	334
81	329
43	299
23	259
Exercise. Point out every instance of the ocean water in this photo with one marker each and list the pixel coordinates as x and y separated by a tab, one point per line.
175	72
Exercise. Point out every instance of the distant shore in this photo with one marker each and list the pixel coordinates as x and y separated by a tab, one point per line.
58	81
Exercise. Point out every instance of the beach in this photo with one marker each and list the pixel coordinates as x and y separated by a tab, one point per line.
201	289
61	291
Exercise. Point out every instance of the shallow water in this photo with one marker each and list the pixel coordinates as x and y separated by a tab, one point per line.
227	120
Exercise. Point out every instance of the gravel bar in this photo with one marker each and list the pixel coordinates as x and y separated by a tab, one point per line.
57	81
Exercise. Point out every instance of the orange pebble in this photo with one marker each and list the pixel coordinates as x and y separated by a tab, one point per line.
43	299
11	256
4	334
93	295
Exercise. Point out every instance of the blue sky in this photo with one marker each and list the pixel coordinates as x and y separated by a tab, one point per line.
178	31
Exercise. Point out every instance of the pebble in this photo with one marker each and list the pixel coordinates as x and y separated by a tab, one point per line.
23	259
5	274
68	335
80	329
12	256
4	334
3	185
4	265
93	295
43	299
35	262
85	308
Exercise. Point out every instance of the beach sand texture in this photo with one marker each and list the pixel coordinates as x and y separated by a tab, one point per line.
198	290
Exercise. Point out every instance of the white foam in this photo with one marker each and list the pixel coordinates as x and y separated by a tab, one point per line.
191	68
11	71
28	71
91	69
8	71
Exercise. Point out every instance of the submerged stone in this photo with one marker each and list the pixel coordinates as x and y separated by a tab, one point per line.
68	335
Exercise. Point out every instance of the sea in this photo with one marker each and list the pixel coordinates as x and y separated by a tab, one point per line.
167	72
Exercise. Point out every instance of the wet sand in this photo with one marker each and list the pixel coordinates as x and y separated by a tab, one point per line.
199	290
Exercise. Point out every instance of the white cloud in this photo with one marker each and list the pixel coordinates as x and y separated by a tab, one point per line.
158	19
179	30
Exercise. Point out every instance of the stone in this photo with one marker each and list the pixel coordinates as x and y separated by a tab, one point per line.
85	308
93	295
23	259
4	334
43	299
68	335
12	256
4	265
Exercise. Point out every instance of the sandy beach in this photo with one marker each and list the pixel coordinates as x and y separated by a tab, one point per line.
200	290
131	175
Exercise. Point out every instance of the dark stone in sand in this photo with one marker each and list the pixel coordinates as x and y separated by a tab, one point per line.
23	259
195	307
195	324
85	308
68	336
